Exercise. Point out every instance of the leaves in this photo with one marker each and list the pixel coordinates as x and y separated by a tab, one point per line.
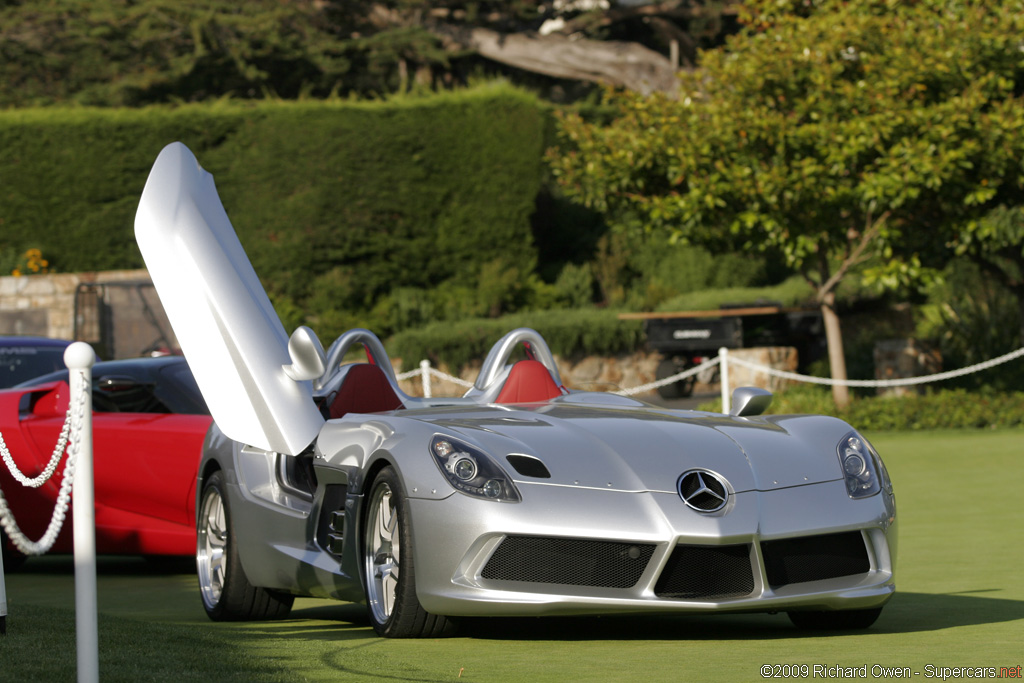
814	119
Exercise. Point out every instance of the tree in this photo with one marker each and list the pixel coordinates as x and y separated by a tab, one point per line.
851	137
134	52
995	242
637	45
125	52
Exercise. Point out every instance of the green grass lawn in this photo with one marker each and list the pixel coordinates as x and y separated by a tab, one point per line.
959	602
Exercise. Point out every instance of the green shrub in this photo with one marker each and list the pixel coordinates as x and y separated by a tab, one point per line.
971	318
569	333
336	203
940	409
575	285
791	292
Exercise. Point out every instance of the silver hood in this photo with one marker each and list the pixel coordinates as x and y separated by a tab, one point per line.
647	449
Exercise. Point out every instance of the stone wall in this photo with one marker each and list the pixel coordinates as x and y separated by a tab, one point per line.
44	305
776	357
612	373
901	358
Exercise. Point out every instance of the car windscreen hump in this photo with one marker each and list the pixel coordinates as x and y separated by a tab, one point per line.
227	327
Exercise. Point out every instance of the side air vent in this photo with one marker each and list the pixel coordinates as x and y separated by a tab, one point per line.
529	466
330	532
568	561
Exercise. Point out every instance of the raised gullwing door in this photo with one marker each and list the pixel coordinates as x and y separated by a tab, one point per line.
258	391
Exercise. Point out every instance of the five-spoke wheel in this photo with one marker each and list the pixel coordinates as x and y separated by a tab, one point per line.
391	601
226	592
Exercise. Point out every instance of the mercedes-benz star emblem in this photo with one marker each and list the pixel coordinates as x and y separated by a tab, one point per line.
703	490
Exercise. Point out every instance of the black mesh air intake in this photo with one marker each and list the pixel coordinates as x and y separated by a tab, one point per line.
811	558
705	572
568	561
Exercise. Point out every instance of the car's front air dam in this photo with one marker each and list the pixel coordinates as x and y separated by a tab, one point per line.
455	538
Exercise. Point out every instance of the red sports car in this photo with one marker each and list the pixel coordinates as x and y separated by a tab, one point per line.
149	421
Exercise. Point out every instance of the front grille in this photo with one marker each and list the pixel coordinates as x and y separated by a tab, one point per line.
702	572
567	561
812	558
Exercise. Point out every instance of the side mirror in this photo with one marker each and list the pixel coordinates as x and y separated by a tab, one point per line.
307	354
750	401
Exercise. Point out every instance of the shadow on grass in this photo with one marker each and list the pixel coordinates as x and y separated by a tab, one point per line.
110	565
329	621
905	613
42	646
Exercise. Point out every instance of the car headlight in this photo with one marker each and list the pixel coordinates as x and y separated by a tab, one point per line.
863	469
471	471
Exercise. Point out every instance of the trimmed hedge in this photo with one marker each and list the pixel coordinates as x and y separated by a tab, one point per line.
569	333
355	197
942	409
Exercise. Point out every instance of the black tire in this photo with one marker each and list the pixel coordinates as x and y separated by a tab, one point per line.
226	592
680	389
389	577
839	620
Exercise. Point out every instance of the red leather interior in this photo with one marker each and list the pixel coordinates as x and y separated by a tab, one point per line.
365	389
528	382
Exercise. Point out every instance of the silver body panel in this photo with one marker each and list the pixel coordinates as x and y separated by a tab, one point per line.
613	473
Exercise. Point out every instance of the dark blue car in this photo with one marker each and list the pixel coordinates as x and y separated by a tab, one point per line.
25	358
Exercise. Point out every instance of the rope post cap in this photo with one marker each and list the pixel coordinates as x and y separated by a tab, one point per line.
79	356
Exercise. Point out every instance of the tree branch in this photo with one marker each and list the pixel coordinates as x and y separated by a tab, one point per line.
674	9
857	255
627	65
669	31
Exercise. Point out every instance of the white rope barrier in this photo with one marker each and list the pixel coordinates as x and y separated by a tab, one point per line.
425	371
80	356
425	377
25	545
77	478
881	383
678	377
450	378
44	476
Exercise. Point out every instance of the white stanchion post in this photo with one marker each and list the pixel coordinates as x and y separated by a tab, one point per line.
723	353
425	377
79	357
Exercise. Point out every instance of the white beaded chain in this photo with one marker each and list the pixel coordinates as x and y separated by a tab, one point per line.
71	431
58	452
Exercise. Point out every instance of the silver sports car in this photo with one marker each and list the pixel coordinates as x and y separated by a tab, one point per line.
322	478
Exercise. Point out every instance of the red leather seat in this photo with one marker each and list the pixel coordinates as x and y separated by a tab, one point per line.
365	389
528	382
